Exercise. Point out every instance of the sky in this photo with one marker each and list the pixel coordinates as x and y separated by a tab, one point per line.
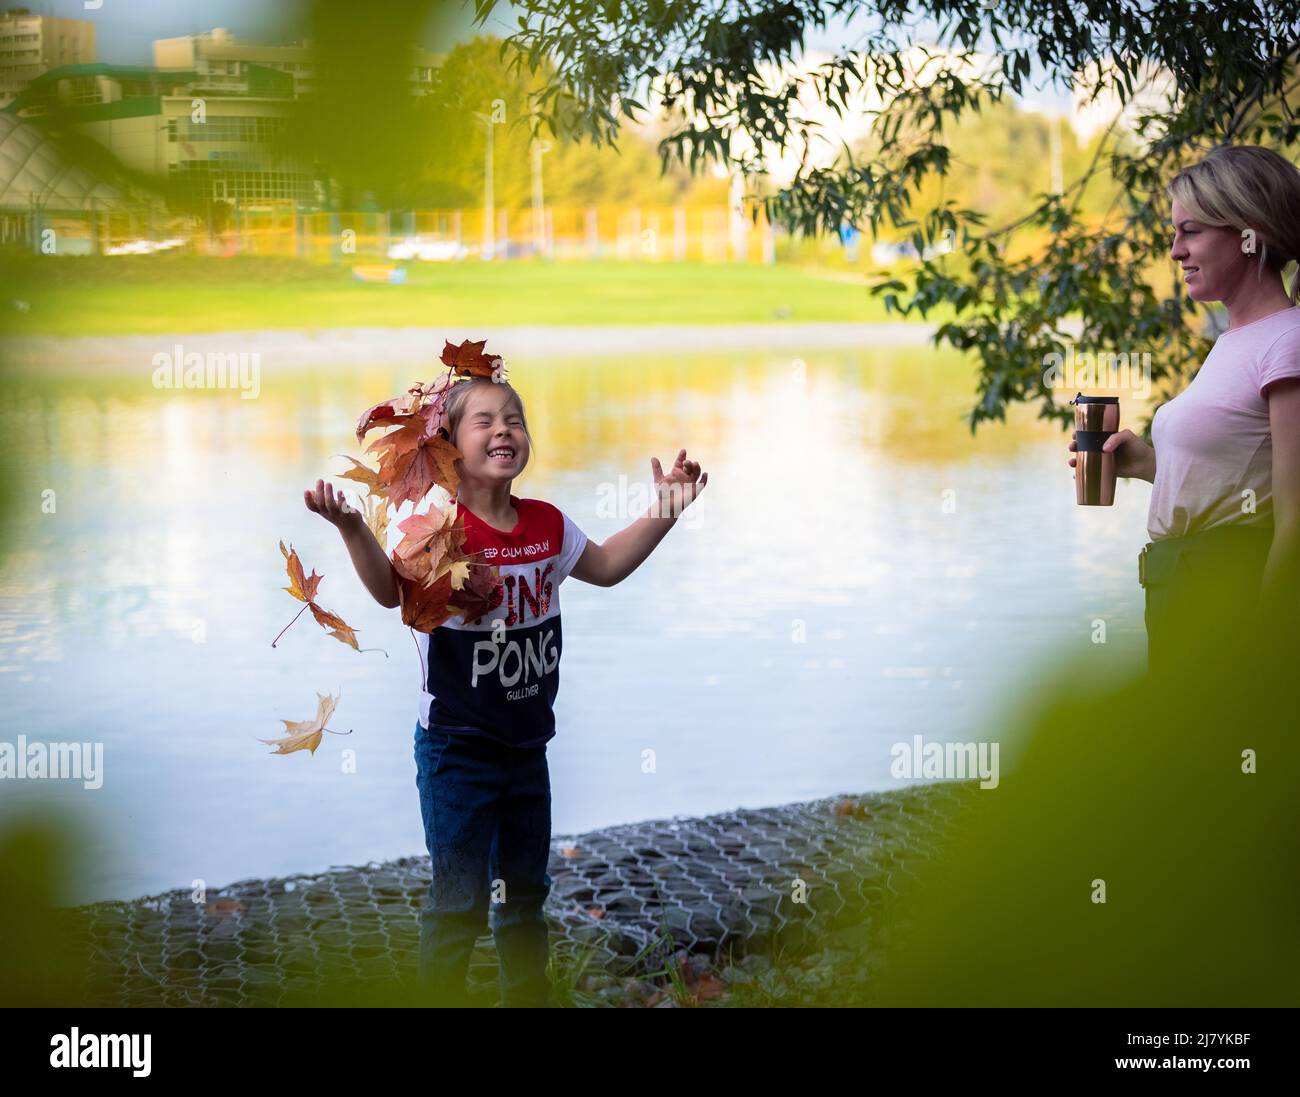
125	29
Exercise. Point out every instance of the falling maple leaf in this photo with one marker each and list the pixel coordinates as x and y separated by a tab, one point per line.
304	589
301	588
305	734
334	625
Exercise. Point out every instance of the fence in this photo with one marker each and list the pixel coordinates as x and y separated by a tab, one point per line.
674	234
650	234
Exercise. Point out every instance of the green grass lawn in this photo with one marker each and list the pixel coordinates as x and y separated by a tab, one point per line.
117	295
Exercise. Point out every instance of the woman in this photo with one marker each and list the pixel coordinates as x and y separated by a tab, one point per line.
1223	565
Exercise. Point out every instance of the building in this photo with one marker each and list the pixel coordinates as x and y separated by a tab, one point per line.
211	136
44	189
33	44
217	53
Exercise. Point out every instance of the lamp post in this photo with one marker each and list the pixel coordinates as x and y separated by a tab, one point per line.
490	119
540	147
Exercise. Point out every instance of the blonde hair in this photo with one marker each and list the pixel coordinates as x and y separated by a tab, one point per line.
458	394
1247	187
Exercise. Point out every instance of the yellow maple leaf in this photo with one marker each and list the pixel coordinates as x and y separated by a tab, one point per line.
376	512
305	734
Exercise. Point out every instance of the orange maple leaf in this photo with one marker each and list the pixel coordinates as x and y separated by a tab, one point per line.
431	545
304	589
362	474
301	588
334	625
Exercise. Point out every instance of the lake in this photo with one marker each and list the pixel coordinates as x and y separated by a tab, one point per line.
859	570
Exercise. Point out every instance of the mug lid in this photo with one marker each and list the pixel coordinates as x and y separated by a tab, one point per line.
1081	399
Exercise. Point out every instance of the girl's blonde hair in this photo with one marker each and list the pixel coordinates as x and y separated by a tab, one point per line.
1247	187
454	406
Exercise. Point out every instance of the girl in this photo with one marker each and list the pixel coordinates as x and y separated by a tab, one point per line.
1224	517
489	686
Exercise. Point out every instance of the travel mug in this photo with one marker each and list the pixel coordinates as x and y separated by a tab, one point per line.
1096	418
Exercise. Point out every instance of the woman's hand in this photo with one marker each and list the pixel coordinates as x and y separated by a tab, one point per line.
680	487
333	508
1133	457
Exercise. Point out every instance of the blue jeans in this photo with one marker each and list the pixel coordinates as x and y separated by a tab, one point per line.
487	825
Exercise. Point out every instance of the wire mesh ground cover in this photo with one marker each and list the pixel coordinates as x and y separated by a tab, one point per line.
718	885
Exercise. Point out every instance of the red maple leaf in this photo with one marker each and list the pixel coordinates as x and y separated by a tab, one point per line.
469	360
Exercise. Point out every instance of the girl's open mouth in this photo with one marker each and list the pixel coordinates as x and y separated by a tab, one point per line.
503	456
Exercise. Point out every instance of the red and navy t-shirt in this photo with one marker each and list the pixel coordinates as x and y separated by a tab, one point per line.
501	680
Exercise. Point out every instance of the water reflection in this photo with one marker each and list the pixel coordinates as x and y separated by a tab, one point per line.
860	570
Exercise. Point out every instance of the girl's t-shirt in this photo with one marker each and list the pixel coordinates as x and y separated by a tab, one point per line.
1214	448
499	676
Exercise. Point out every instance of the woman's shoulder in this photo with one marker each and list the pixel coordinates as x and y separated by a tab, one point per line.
1277	333
1284	326
1279	356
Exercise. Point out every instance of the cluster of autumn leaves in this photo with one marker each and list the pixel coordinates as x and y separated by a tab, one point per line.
436	578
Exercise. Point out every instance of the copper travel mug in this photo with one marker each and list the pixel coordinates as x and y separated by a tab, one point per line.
1096	418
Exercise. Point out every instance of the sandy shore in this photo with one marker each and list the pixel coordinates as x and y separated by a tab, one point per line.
365	346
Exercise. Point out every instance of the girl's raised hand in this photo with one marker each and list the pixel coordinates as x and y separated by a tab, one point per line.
330	506
680	487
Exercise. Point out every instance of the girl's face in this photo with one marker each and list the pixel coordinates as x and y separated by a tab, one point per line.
491	436
1214	260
